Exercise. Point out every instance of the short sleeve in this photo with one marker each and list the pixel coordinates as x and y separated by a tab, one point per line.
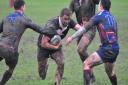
72	24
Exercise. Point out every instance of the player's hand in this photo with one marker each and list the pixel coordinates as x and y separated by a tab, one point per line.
69	40
59	45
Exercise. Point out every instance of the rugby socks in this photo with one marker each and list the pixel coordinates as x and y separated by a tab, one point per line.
92	78
113	80
55	83
87	77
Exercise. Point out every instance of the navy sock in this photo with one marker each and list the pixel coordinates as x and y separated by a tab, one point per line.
87	77
113	80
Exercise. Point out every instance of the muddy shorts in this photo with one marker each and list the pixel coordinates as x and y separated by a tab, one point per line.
8	52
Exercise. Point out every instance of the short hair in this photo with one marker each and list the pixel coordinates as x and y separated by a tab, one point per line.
106	4
65	11
18	4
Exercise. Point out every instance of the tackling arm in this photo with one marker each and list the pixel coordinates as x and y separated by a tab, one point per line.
82	30
29	24
77	27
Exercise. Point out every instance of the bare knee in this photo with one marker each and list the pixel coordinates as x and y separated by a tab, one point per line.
81	49
61	65
87	65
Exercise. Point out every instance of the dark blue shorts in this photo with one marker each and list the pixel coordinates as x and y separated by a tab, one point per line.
108	54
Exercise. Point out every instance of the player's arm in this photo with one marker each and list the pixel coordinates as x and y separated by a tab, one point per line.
45	43
77	27
82	30
95	20
30	24
92	22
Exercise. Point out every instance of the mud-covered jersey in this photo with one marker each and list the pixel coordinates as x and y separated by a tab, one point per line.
13	26
83	9
53	25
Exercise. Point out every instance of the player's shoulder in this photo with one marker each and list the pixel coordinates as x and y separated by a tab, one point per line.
99	14
54	19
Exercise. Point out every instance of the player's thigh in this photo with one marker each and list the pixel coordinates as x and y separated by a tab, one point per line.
42	62
42	56
84	42
58	56
94	58
109	68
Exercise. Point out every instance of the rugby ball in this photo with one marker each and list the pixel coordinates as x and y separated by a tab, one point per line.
55	40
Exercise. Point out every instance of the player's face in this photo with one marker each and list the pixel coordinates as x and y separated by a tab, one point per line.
23	8
65	20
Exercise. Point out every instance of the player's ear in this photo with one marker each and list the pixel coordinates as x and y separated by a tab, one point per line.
23	8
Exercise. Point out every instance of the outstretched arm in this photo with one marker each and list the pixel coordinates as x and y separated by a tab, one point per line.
95	20
37	28
80	32
33	26
77	27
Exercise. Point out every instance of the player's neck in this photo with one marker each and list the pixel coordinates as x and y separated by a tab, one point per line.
19	11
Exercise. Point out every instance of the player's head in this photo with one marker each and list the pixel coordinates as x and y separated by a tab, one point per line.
65	16
104	4
19	5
